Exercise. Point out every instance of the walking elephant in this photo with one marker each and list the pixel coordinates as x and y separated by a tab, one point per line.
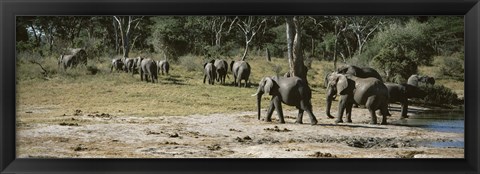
163	67
128	64
292	91
148	69
241	71
209	72
66	61
362	72
416	80
221	66
117	64
401	93
370	92
137	62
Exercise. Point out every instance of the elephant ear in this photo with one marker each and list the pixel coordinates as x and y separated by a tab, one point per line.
342	84
269	84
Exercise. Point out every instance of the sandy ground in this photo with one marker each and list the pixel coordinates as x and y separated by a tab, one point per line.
232	135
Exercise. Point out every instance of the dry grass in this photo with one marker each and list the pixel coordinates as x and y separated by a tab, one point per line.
180	93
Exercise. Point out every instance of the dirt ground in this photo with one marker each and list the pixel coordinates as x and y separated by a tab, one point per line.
92	134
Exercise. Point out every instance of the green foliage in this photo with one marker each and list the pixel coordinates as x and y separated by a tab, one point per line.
402	49
439	95
451	66
192	63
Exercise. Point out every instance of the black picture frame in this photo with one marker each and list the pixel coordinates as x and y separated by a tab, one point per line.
470	9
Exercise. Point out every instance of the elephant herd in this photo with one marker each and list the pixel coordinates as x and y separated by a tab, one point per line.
353	85
216	70
146	67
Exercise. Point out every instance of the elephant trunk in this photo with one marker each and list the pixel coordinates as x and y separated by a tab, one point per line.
330	97
259	101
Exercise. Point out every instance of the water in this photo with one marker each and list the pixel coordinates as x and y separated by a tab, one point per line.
439	122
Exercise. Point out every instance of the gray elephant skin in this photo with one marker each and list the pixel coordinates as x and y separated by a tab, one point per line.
370	92
163	67
416	80
210	72
362	72
128	64
67	61
292	91
221	67
241	71
148	69
401	93
117	64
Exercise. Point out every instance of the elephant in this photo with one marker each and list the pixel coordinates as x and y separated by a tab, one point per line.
221	66
148	68
210	72
80	54
370	92
292	91
137	65
117	64
241	71
362	72
401	93
416	79
128	64
67	61
163	67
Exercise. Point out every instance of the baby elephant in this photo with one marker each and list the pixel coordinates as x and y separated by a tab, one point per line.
292	91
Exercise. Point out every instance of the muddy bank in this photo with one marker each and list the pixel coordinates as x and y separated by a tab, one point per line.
89	134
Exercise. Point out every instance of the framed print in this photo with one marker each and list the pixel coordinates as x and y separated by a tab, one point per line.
239	86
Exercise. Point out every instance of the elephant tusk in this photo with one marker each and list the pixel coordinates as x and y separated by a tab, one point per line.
254	94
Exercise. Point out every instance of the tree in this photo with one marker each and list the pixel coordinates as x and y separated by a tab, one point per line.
249	25
295	52
124	24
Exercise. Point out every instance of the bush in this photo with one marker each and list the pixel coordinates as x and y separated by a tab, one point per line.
191	63
450	66
439	95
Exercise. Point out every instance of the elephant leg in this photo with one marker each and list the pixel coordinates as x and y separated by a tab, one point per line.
270	111
204	78
278	107
299	117
404	110
308	107
349	111
341	108
370	105
385	113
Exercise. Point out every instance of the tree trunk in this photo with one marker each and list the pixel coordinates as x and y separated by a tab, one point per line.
295	52
268	54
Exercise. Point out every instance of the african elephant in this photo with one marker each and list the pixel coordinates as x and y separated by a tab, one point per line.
416	79
80	54
370	92
117	64
401	93
362	72
209	72
241	71
67	61
137	65
163	66
292	91
128	64
148	68
221	67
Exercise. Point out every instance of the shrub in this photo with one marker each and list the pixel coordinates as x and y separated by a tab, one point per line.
450	66
191	63
439	95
